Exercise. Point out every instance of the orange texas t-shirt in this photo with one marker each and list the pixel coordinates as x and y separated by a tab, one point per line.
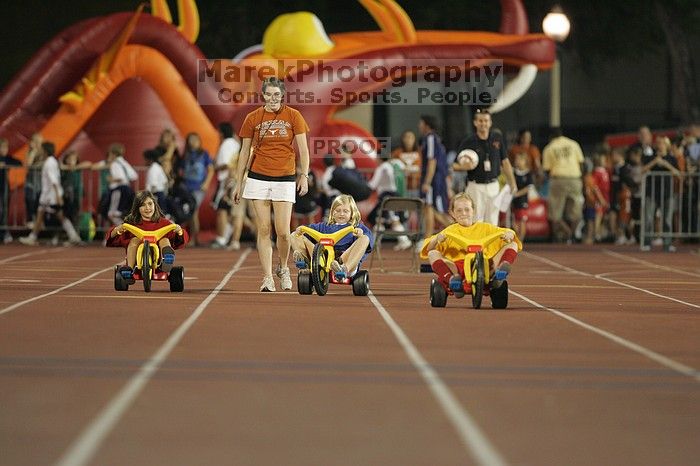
272	136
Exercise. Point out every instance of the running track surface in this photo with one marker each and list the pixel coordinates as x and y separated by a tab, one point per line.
595	362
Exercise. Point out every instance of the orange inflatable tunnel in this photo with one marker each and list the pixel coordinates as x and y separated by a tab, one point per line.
132	61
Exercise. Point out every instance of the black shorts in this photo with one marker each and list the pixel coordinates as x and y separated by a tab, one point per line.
52	209
223	204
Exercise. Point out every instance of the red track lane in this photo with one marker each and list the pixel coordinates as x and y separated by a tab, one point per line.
280	378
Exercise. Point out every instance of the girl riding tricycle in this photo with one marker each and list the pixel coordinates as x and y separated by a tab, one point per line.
150	240
332	252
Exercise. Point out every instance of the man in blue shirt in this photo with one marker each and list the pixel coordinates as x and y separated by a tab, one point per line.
434	173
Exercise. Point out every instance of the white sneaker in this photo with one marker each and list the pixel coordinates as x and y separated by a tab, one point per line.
74	242
285	278
216	244
234	246
268	284
403	243
7	239
620	240
28	240
657	242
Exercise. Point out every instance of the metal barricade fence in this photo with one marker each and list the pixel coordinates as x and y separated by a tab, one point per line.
13	215
670	207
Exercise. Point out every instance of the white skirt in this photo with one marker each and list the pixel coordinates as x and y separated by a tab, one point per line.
270	190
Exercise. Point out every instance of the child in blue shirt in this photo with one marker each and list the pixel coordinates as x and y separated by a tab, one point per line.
351	250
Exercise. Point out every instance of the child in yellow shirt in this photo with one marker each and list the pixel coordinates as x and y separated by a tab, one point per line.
447	257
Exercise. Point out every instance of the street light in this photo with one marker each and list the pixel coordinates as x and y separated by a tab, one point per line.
556	26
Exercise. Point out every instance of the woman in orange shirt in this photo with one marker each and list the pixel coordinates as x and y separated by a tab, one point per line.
268	156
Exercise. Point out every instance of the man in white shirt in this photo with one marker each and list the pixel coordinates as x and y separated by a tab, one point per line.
229	216
51	199
121	174
384	183
158	182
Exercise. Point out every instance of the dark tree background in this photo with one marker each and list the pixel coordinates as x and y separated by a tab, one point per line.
602	30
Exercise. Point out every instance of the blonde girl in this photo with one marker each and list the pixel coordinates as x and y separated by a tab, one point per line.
351	250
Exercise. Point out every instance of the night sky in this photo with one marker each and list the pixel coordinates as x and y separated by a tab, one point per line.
226	27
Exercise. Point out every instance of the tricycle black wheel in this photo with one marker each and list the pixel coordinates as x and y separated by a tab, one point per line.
499	296
304	285
320	269
176	278
477	279
438	294
146	266
120	283
360	283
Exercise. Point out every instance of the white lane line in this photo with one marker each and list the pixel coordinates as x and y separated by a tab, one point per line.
83	449
654	356
26	254
57	290
478	446
602	277
649	264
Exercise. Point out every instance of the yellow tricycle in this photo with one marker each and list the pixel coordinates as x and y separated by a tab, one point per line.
149	262
476	276
318	275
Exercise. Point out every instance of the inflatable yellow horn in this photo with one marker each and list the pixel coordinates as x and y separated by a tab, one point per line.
299	34
186	11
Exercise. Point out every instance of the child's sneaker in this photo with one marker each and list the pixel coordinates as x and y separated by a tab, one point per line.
28	240
339	269
217	244
300	260
168	259
127	274
268	284
501	274
457	286
234	246
403	243
74	242
285	278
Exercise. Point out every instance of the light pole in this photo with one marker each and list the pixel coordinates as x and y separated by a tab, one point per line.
556	26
